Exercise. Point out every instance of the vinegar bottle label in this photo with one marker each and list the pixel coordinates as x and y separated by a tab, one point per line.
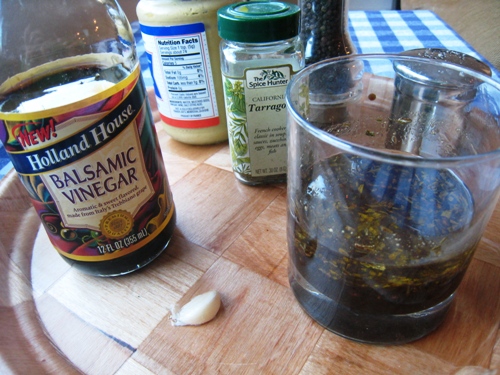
94	171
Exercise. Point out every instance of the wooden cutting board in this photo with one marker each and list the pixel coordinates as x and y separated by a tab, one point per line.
231	238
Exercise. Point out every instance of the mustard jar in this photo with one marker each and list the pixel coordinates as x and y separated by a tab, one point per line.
181	42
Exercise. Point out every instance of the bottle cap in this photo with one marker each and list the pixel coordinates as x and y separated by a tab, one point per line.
258	21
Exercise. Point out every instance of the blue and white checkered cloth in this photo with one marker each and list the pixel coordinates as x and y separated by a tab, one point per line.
398	31
371	32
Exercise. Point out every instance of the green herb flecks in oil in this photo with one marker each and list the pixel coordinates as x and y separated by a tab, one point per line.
383	236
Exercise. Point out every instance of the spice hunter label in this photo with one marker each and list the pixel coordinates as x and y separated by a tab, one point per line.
94	174
257	120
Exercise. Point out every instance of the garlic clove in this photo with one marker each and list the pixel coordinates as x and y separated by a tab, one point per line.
201	309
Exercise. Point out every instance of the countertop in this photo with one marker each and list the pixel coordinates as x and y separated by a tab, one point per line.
231	238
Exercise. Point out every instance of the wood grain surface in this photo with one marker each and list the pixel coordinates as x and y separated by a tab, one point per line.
231	238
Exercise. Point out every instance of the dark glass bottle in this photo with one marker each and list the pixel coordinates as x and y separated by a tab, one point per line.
76	122
324	29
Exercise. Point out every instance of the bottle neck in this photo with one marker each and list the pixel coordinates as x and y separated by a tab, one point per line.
85	27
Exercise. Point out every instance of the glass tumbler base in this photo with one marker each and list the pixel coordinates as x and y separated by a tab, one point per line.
367	328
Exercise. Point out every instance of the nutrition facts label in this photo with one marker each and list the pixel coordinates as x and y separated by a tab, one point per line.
184	67
183	75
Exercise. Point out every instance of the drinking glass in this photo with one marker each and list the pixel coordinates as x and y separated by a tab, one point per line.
393	174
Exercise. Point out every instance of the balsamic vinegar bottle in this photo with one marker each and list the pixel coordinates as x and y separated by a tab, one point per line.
76	122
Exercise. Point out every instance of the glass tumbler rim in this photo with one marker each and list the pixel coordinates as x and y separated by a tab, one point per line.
381	154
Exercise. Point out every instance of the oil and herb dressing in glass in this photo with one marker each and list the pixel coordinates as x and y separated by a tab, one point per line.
378	240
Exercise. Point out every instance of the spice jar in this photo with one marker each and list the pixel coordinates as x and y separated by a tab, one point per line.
182	43
324	29
260	52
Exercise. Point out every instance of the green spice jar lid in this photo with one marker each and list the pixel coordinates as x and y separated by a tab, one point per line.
258	21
